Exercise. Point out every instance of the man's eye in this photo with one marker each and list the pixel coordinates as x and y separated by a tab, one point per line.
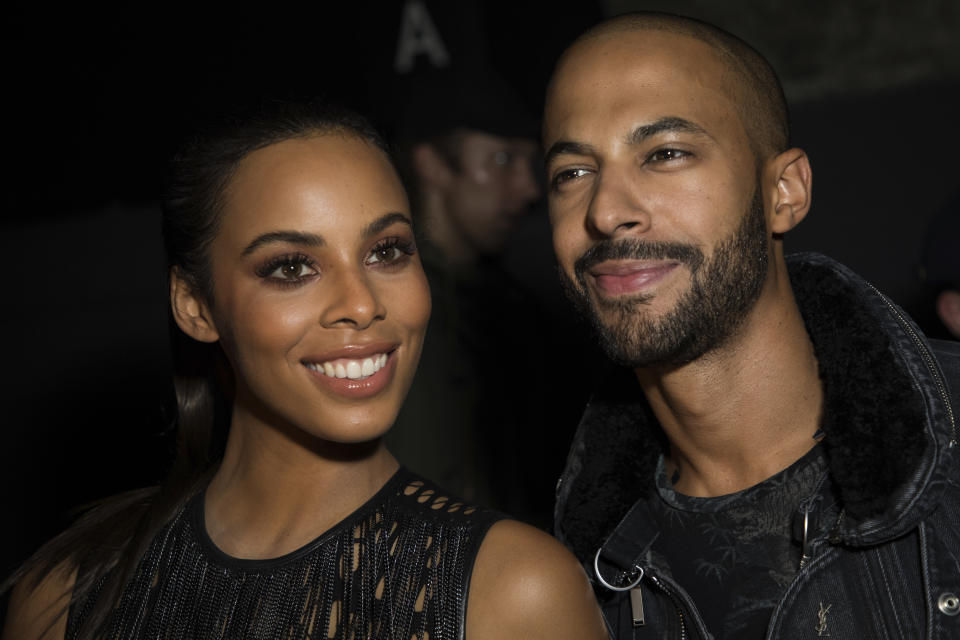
568	175
666	155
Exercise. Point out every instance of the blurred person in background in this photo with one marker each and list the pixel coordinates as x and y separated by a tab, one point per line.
486	394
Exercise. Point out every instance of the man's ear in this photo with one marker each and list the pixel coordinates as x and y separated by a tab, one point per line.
190	310
793	179
948	308
430	166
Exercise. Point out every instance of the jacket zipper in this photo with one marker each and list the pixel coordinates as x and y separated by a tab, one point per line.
928	358
667	590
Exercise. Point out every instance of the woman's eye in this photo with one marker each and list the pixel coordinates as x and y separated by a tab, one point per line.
288	269
390	252
292	271
385	254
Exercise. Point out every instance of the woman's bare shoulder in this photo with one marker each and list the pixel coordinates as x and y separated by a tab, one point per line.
39	604
526	584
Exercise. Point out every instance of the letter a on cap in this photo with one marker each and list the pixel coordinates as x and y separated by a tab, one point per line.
418	35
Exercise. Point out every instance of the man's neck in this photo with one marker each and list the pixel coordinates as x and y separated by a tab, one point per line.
744	411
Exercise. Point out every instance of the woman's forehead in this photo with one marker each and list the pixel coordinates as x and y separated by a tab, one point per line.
317	181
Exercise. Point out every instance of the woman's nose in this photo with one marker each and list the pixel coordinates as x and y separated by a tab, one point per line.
352	301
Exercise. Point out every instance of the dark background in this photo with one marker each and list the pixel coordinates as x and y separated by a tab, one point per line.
96	100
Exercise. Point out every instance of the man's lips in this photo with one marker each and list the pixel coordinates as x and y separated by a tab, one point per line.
616	278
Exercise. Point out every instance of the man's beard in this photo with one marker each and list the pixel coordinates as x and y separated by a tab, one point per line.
722	291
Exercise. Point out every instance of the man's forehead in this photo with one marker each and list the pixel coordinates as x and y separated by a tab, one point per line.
633	71
638	42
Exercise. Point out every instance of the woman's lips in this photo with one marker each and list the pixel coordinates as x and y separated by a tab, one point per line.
354	372
619	278
355	369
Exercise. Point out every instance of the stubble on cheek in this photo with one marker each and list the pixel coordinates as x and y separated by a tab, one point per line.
721	291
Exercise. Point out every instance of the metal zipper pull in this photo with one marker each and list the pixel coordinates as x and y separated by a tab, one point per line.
636	599
636	607
805	545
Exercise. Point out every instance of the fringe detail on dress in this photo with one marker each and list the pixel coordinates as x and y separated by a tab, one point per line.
399	567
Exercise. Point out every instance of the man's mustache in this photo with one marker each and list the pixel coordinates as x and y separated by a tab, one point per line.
633	249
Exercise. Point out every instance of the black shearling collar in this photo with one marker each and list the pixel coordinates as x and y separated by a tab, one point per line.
887	423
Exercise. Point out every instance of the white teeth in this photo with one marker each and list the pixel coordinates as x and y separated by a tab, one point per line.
367	368
353	369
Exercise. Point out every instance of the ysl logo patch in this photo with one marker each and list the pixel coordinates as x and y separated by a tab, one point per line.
821	627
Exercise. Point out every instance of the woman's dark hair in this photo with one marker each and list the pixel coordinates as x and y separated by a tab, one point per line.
106	542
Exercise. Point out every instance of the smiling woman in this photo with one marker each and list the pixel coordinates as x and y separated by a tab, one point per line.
301	305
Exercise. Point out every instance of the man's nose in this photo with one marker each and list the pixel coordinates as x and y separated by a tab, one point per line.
616	206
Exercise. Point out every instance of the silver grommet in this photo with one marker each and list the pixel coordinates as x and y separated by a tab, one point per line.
949	603
596	571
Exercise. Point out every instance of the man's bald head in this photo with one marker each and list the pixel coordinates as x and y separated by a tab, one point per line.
756	89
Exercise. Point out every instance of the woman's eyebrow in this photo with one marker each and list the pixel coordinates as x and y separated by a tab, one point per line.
293	237
385	221
306	239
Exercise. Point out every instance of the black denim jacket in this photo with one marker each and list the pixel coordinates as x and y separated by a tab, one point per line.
888	567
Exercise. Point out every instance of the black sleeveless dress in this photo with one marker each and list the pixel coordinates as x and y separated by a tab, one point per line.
398	567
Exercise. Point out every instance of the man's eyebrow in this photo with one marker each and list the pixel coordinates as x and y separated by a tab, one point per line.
664	125
293	237
561	147
385	221
638	135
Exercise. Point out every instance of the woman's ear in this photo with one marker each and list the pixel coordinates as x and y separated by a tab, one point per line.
190	311
790	171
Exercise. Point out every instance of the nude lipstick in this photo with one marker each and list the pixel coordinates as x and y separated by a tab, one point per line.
355	371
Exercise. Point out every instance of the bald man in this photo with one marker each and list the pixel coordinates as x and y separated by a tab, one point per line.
776	453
